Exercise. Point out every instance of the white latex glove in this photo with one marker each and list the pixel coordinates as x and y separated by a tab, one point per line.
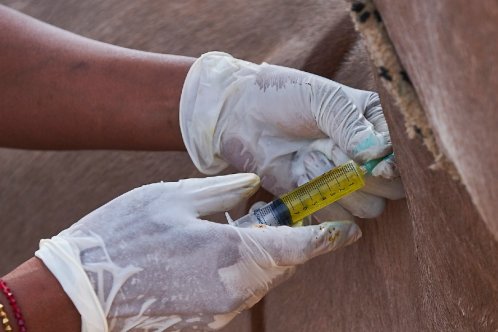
147	261
267	119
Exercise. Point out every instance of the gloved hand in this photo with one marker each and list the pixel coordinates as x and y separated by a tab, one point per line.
272	121
147	261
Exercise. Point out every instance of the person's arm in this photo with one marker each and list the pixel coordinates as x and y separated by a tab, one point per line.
59	90
44	304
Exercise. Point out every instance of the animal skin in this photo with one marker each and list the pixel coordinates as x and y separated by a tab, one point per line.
455	73
428	263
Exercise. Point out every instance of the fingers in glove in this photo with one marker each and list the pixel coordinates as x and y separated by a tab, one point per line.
218	193
387	168
369	103
333	211
341	120
373	113
334	156
390	189
363	205
288	246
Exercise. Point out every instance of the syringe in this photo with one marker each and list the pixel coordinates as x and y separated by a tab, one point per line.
312	196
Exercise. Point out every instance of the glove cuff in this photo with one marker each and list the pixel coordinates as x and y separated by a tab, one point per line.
64	262
201	103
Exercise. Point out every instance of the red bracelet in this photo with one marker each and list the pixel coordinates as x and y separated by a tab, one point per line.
15	308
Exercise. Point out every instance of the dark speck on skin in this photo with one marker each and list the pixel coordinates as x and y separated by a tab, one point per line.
80	65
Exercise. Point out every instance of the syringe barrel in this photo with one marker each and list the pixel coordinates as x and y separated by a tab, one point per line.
321	191
246	221
274	213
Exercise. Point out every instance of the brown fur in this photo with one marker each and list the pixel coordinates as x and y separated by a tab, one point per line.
430	267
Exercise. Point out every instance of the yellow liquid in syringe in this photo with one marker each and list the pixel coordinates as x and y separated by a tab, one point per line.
323	190
312	196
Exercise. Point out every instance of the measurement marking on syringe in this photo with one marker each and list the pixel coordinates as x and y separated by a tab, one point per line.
293	207
352	169
320	184
302	203
330	189
338	184
308	192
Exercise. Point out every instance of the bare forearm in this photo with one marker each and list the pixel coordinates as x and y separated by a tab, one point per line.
44	304
59	90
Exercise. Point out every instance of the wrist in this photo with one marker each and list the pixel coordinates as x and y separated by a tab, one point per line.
42	301
62	259
201	104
